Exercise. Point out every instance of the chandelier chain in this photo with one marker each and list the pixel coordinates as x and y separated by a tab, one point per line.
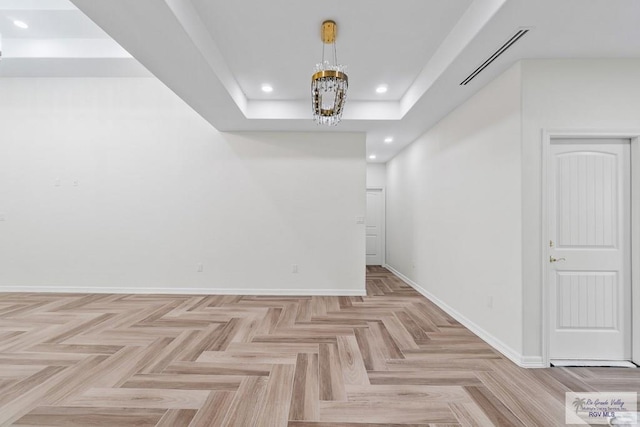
335	54
323	53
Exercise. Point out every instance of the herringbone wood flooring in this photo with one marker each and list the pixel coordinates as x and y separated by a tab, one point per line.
390	358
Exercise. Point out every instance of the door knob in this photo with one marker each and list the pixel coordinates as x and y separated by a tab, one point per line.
552	259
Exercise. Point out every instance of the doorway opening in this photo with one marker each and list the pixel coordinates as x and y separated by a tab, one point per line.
375	230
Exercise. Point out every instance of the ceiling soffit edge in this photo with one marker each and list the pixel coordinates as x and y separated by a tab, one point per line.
474	19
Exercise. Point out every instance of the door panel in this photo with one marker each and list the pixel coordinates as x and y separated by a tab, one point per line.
587	300
589	213
588	206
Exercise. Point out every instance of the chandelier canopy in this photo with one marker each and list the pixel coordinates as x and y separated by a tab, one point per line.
329	83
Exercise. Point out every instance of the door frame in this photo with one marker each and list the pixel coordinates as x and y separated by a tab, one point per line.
383	225
634	136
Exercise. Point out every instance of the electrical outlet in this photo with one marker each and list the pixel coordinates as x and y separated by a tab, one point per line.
56	182
294	268
490	301
1	217
200	268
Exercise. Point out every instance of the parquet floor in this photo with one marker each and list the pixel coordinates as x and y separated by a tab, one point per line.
390	358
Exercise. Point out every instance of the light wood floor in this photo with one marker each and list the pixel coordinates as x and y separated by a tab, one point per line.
390	358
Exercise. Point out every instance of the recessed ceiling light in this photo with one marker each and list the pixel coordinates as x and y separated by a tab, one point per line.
382	89
388	140
372	157
20	24
267	88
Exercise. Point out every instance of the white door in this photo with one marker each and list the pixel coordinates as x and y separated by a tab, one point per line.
375	225
590	249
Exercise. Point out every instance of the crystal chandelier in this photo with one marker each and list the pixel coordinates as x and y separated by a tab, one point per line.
329	83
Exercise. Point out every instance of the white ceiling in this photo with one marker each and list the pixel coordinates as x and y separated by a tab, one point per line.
49	24
60	41
216	54
268	45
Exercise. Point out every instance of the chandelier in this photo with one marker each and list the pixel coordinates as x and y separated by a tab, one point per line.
329	83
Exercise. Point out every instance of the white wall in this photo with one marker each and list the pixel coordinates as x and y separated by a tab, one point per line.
376	175
454	219
584	95
117	185
453	225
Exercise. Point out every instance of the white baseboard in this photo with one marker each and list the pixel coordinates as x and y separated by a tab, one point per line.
532	362
185	291
508	352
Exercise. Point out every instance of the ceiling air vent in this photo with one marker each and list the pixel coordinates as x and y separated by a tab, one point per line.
517	36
